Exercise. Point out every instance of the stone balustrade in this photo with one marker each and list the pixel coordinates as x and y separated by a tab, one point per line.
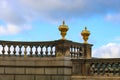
15	48
43	49
96	67
47	56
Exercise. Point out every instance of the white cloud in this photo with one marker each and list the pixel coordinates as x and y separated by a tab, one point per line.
110	50
15	20
67	9
11	29
113	17
10	13
22	11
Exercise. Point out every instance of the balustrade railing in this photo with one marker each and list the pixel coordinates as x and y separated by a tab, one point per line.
14	48
42	49
111	67
96	67
76	50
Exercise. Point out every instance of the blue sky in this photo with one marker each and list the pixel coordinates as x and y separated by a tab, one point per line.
38	20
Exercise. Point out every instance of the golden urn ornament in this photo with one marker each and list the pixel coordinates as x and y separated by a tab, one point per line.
63	29
85	33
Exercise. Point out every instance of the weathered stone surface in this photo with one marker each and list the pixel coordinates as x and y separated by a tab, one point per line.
43	77
53	62
12	70
6	77
67	77
50	70
1	70
34	70
57	77
9	70
35	61
67	63
25	63
39	71
24	77
7	62
19	71
60	71
50	63
68	71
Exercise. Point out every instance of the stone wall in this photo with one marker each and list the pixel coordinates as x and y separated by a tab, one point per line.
35	68
47	68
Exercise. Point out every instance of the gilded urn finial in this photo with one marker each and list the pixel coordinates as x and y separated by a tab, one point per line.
63	29
85	33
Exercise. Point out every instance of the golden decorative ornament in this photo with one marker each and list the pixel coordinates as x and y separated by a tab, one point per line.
85	33
63	29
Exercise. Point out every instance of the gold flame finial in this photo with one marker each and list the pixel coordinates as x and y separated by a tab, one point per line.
63	29
85	28
63	22
85	33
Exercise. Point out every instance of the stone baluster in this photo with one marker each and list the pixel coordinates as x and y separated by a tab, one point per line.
95	69
106	69
55	50
114	66
31	52
109	67
74	51
9	50
78	50
41	52
3	51
103	68
119	69
36	50
51	51
46	52
98	68
20	51
116	69
14	52
91	69
25	51
71	52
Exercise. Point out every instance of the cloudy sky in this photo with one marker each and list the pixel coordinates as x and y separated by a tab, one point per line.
38	20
